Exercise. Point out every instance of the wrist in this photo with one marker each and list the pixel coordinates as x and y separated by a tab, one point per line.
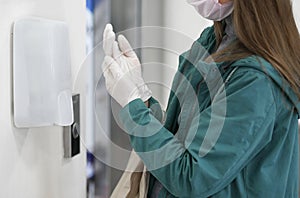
147	103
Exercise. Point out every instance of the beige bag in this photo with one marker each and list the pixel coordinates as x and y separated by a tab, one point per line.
134	181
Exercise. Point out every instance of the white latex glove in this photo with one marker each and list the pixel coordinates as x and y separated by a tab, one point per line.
118	83
129	62
127	59
109	38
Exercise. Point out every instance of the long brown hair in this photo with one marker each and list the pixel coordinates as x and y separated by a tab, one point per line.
266	28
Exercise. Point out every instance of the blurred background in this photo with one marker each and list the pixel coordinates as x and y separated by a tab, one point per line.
168	29
159	31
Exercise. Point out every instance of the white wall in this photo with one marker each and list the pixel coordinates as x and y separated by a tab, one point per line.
185	26
296	4
31	161
180	26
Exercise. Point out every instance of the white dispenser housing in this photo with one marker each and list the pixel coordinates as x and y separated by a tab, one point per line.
42	73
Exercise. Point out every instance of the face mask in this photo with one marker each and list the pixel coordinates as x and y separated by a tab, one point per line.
212	9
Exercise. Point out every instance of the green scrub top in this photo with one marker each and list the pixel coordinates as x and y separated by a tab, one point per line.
230	129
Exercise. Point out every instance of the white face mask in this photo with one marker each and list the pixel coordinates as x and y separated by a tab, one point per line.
212	9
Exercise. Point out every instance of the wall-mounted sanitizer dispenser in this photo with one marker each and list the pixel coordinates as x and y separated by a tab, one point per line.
42	73
43	79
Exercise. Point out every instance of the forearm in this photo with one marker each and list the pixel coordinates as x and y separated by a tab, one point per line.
147	103
178	165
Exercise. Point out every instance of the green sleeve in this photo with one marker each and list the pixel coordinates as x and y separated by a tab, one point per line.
247	128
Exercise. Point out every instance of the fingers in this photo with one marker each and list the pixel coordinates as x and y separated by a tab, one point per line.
106	65
116	51
108	39
108	28
119	58
113	48
125	46
109	79
111	68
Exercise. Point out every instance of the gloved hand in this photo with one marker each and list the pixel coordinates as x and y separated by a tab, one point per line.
127	59
109	38
118	83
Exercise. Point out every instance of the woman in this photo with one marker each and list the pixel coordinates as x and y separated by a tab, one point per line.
231	123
